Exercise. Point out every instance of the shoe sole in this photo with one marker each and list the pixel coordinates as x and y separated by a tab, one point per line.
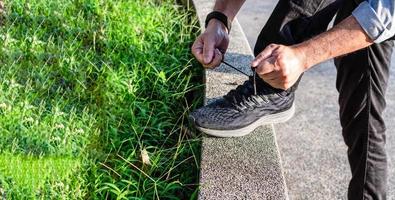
268	119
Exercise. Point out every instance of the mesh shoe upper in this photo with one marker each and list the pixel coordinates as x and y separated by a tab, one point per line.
241	106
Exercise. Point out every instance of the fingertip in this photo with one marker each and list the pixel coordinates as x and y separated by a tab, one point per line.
258	70
208	57
208	52
206	60
254	64
217	59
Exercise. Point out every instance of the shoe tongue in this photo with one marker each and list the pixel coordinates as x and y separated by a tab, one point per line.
240	93
264	88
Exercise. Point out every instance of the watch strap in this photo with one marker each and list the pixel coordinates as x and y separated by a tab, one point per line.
219	16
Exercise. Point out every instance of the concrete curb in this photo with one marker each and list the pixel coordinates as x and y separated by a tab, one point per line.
237	168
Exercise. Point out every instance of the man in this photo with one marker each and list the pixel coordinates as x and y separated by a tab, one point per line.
293	40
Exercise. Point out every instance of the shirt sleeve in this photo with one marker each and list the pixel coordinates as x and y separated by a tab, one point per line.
376	18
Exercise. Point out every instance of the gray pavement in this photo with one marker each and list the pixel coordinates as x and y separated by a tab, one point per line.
311	146
245	168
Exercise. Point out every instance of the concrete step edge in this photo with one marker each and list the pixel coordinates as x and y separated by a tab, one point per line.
237	168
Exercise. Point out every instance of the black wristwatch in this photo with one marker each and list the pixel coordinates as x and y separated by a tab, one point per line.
219	16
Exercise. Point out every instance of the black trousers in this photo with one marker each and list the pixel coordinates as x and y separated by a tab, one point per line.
362	78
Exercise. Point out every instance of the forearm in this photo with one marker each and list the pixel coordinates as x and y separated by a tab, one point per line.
228	7
345	37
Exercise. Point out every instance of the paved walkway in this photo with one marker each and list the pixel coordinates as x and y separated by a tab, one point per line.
311	146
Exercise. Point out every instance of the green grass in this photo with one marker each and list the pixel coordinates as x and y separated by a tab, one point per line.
47	176
94	96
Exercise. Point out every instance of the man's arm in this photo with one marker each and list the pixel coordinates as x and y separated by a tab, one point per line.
228	7
209	46
281	65
372	21
347	36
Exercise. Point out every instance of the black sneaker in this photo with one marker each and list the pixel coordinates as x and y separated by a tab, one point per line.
243	109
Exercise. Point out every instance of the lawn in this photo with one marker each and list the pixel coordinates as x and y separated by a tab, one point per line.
94	96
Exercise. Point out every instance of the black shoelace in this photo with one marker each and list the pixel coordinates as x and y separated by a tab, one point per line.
253	74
